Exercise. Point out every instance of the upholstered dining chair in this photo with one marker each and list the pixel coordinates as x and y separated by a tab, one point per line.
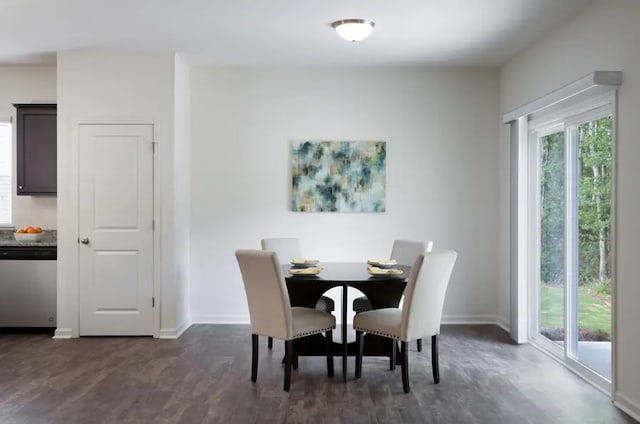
420	315
271	313
404	252
287	249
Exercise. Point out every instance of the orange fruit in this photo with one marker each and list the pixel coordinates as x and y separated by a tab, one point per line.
31	230
37	230
28	229
20	231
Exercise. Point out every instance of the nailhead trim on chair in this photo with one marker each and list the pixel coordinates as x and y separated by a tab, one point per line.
377	333
309	333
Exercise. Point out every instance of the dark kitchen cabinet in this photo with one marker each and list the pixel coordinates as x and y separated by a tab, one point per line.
36	148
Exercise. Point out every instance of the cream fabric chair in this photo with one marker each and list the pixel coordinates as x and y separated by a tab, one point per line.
287	249
420	316
404	252
271	312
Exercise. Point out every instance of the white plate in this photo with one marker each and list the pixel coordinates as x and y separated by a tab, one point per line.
305	271
374	270
304	262
383	263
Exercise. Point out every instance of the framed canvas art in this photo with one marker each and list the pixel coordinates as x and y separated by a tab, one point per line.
338	176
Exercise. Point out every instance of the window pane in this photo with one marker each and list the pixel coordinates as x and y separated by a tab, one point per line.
594	245
552	233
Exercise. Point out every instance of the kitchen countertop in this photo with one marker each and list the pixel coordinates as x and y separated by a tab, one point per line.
49	239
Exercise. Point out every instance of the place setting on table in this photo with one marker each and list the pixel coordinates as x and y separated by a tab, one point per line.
304	266
382	267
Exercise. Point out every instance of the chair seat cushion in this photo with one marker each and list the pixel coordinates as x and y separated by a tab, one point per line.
308	321
326	304
382	322
361	304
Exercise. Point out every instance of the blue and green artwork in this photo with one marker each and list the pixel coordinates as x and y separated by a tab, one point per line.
338	176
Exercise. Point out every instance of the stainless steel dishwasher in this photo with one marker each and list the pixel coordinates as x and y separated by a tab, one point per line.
27	286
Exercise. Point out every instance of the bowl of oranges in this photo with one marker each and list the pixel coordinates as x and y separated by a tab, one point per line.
28	234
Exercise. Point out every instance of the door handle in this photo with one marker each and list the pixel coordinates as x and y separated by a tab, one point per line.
84	241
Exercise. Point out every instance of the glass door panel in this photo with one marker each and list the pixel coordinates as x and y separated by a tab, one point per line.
593	292
551	192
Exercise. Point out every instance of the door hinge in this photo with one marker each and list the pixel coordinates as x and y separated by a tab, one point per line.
153	146
153	302
153	224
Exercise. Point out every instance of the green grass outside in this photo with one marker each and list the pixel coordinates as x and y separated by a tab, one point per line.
594	312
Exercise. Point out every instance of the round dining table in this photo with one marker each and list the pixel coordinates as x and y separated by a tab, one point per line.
383	291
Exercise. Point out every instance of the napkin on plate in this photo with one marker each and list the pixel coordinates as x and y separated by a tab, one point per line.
304	261
382	262
381	271
306	271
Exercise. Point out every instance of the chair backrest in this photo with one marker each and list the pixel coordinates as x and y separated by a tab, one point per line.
405	252
286	248
425	292
267	295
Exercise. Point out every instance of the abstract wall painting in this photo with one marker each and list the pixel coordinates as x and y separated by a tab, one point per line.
338	176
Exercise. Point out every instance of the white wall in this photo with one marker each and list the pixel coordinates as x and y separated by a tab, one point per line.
27	84
113	86
182	198
605	36
442	140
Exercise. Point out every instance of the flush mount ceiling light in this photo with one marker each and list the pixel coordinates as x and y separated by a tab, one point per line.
353	29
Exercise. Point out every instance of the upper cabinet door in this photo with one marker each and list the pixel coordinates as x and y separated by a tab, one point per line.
36	149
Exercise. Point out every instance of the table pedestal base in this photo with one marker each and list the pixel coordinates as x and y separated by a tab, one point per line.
373	346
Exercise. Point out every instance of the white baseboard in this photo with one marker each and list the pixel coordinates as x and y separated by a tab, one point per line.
168	333
627	405
469	319
63	333
183	327
244	319
220	319
174	333
503	323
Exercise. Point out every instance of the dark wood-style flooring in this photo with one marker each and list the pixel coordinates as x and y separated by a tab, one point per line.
204	377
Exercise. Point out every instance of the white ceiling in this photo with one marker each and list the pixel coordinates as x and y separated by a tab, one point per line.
283	32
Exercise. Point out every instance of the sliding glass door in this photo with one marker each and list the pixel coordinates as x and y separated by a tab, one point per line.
570	205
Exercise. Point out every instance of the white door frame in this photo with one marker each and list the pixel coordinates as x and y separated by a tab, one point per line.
157	242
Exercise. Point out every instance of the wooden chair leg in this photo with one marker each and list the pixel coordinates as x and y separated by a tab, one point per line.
329	345
419	345
392	358
294	359
270	343
360	345
434	359
404	352
254	357
288	358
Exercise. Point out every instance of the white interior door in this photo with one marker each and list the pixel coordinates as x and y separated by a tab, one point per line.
116	229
